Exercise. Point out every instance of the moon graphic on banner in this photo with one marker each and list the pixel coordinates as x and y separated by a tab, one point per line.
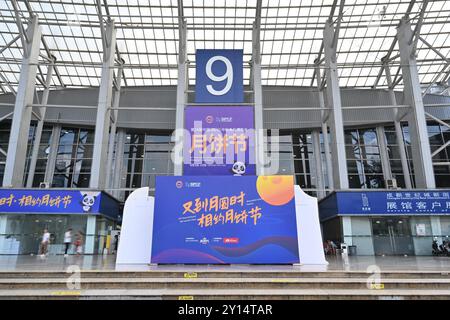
275	190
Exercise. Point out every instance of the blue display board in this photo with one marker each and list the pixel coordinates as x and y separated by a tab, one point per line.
219	76
50	201
223	220
386	203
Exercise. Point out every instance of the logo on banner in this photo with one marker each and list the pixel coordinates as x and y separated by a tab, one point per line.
179	184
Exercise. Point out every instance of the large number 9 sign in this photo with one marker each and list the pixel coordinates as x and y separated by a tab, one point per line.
228	75
219	76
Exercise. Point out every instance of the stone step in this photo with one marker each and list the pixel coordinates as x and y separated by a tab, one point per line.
248	294
222	283
224	273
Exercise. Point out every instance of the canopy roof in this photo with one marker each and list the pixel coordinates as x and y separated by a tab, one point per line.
291	34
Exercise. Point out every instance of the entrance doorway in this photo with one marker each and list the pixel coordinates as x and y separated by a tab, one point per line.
392	236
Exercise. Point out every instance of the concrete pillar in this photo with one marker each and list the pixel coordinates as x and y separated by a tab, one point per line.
420	145
384	156
20	127
39	128
182	85
340	172
398	131
100	152
257	94
315	135
89	242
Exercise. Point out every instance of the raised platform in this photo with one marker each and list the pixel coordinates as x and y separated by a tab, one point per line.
399	278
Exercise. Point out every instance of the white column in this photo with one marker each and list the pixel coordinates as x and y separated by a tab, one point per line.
340	172
315	135
89	242
100	152
398	131
112	134
420	145
181	99
326	140
20	127
40	126
257	94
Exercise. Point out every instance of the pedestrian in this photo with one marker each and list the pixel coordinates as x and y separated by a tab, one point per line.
79	243
116	243
67	241
44	243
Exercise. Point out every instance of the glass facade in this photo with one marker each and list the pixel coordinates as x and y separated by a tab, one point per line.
363	159
74	158
22	233
147	154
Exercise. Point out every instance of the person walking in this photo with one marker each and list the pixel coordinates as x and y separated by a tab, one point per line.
79	243
44	243
67	241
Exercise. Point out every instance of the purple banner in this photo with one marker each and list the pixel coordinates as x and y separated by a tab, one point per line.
220	141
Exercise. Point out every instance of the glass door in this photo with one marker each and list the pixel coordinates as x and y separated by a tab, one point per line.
392	236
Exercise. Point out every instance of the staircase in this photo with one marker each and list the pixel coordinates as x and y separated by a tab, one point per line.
223	284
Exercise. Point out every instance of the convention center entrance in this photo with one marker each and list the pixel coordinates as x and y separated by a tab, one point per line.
392	236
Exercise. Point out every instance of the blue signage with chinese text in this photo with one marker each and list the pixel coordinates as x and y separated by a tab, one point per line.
224	220
219	76
52	201
413	202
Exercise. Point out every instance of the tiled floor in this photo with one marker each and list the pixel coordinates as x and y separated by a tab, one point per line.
356	263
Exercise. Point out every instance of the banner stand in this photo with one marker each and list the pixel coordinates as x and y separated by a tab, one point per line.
135	246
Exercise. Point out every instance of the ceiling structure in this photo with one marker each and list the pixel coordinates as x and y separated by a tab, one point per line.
291	36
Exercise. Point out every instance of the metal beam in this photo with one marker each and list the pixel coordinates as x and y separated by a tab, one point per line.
433	82
434	49
6	46
416	34
6	82
18	140
387	57
102	27
22	32
319	56
445	145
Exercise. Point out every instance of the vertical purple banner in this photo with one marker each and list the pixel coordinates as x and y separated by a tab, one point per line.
220	141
